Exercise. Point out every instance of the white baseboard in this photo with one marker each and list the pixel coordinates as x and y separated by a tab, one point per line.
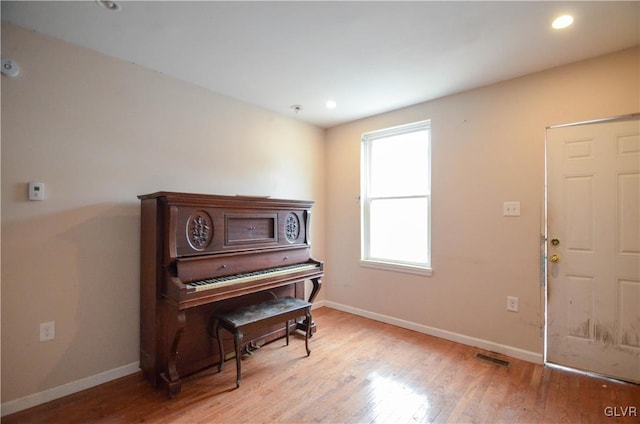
514	352
48	395
318	304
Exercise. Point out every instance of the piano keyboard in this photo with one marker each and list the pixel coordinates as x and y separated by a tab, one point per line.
251	276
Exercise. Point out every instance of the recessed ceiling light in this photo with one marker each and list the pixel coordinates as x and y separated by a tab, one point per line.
331	104
562	21
109	5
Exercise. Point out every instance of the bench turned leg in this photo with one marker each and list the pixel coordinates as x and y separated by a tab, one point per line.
237	343
220	346
287	331
308	333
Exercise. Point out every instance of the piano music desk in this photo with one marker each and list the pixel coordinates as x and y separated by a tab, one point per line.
258	317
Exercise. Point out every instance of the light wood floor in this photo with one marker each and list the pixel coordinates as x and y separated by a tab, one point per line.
359	371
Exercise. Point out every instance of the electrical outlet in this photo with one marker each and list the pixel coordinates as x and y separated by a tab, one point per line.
512	303
511	209
47	331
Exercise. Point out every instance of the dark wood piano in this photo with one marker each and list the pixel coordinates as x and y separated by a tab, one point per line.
201	254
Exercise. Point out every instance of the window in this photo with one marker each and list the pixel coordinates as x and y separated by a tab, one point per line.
396	198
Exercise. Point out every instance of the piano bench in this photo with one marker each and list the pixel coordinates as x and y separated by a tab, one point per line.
259	317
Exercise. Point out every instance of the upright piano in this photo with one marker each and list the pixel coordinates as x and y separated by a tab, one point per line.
201	254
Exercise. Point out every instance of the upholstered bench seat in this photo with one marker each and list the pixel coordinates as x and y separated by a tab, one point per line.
259	317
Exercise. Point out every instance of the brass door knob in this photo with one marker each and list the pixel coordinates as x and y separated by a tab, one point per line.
555	258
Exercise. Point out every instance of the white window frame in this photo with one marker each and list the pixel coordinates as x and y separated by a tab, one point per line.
365	258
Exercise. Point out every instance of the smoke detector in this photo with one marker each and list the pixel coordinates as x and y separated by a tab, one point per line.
9	68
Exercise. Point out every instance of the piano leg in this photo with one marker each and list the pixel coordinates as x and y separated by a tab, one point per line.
171	376
317	285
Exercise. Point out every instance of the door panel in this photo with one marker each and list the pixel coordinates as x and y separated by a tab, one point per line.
579	222
593	273
628	223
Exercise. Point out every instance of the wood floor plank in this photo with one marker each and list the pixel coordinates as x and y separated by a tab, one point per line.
359	371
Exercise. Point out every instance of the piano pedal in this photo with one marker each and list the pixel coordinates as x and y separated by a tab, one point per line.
251	347
302	326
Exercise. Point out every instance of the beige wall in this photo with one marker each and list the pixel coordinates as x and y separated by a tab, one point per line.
488	147
98	132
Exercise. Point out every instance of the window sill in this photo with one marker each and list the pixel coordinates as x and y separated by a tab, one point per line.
388	266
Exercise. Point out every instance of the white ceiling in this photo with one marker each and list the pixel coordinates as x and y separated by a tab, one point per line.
370	57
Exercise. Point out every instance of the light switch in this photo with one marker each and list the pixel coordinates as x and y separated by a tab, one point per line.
511	209
36	191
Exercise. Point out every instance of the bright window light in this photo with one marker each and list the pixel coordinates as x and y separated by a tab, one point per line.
396	197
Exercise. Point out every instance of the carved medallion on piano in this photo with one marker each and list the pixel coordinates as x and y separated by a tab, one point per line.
199	230
292	228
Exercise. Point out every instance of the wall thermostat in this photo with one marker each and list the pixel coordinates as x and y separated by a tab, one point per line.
36	191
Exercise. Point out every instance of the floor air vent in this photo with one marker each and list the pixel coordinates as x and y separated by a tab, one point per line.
492	360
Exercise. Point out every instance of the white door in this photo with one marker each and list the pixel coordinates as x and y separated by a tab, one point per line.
593	248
